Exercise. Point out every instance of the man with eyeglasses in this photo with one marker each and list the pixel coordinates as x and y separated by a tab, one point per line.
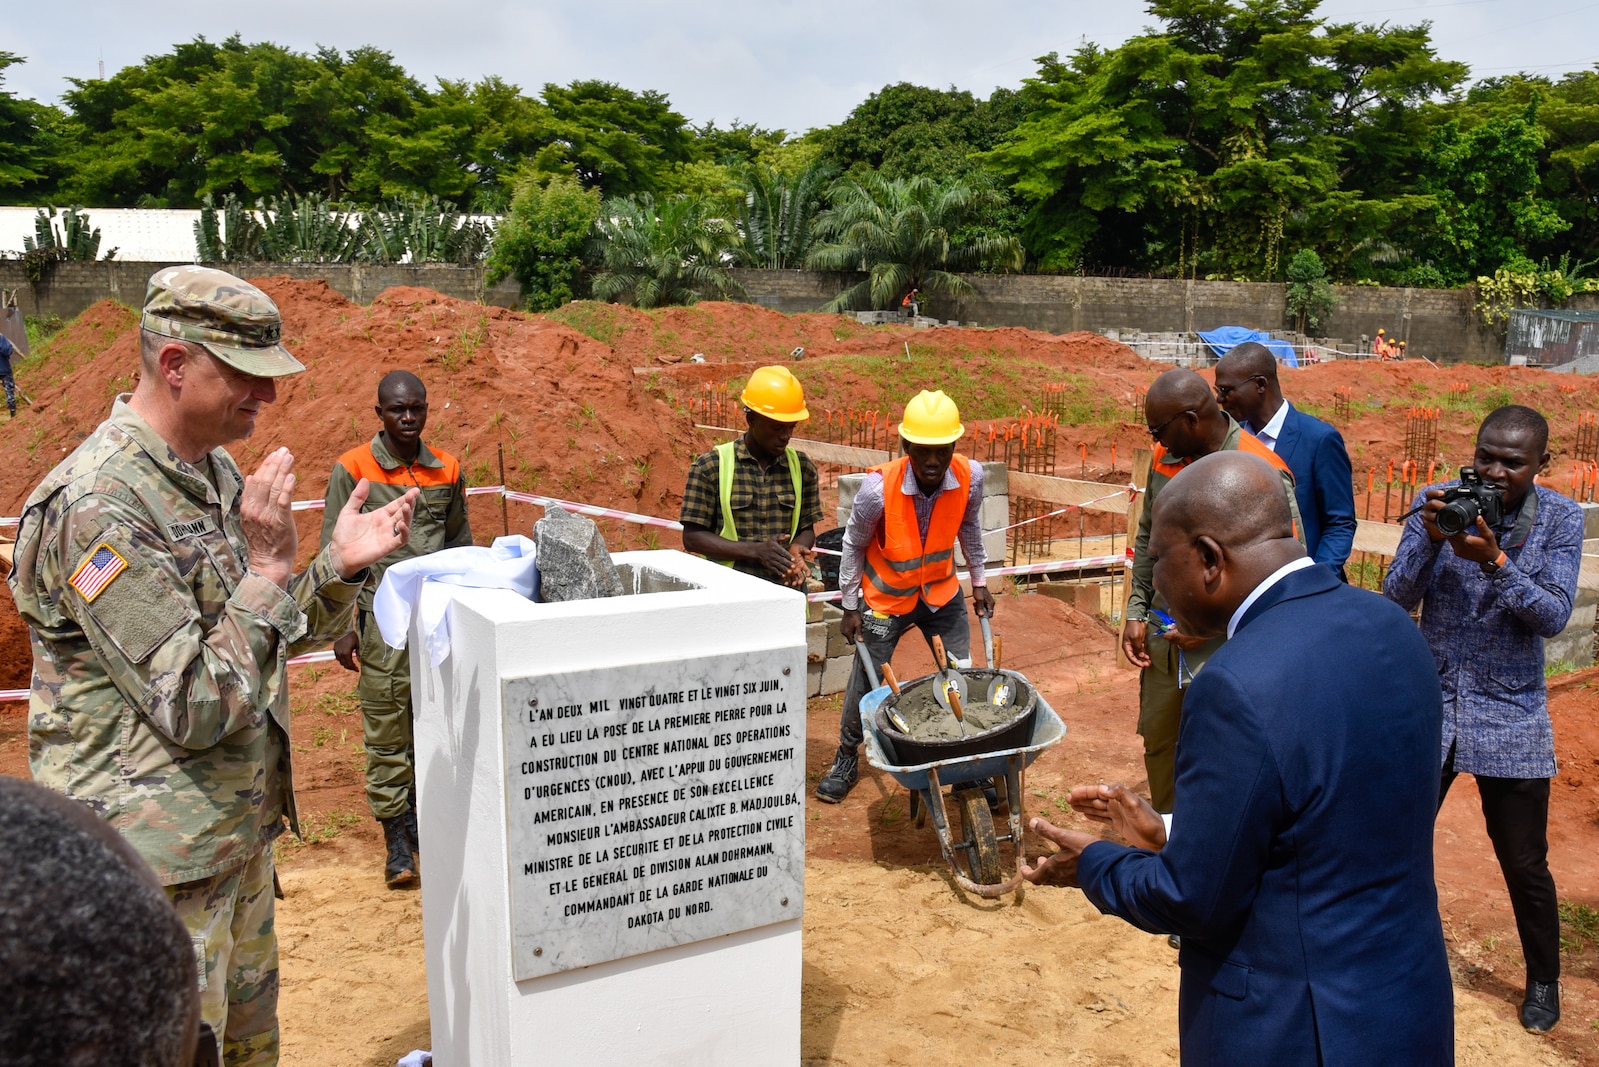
1248	389
1187	424
393	463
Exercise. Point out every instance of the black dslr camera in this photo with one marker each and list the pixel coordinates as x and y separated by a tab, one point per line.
1464	502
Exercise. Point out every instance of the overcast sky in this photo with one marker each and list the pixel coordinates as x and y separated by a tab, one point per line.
778	63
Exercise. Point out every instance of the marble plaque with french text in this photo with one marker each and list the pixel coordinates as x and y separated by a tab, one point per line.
653	805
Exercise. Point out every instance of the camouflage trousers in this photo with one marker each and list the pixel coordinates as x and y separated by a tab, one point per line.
1160	712
385	695
229	917
11	391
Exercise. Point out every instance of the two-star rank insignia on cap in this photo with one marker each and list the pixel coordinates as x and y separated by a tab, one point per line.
97	572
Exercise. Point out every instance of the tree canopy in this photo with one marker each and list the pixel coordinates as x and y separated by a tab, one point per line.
1223	139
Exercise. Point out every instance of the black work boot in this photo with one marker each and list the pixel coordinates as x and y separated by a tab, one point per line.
413	838
399	869
840	778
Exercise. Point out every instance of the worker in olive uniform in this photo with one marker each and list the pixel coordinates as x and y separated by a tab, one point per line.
394	463
753	503
1186	424
157	584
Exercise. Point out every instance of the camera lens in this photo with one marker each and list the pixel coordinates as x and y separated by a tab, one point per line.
1457	516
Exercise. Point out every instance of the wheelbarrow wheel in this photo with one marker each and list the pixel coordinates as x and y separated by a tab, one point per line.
977	830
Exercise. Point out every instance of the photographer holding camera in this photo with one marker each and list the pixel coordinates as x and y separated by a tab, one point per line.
1505	584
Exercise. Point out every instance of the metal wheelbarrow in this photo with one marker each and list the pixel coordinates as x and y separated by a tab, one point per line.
924	768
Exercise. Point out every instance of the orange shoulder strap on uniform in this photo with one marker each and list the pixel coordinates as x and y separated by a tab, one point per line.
1248	442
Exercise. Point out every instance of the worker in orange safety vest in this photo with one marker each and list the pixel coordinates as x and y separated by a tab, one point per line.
898	565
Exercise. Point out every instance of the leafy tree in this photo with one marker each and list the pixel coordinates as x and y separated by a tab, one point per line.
1309	296
1485	184
776	214
1202	146
24	158
612	139
900	230
652	255
906	130
541	241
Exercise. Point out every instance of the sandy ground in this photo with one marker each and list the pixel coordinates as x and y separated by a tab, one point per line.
900	968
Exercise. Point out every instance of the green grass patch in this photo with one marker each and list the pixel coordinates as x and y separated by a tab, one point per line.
603	322
1578	923
58	348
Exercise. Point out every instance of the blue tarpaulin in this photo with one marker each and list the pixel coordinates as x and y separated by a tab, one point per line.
1224	339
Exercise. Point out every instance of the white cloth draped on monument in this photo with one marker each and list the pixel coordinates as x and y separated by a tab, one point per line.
423	586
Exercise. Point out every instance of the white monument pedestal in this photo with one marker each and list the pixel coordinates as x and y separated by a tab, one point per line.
611	800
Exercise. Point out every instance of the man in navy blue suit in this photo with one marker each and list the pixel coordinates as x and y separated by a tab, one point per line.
1298	865
1247	387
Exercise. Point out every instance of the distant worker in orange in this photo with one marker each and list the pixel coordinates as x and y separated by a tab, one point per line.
912	302
1379	347
753	503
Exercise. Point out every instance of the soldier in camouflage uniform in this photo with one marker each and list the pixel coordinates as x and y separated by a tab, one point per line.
157	583
393	462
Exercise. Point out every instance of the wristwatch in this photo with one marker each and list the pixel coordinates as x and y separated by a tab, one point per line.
1492	568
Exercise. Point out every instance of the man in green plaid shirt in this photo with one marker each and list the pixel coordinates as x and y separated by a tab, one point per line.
754	502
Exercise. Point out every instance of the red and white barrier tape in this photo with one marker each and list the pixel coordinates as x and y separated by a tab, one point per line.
1130	490
594	510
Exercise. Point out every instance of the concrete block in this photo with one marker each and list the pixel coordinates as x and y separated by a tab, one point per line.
836	645
1083	597
813	679
993	547
815	641
831	613
996	480
995	512
848	486
1590	521
835	675
813	611
1575	644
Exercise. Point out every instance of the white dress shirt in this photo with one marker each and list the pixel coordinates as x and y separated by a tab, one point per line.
1273	429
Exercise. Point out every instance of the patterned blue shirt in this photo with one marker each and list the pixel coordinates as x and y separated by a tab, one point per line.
1487	634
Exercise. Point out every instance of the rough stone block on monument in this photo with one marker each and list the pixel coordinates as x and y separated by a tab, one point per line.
573	561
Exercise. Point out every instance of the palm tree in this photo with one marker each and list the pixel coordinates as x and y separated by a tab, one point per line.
776	215
901	231
674	252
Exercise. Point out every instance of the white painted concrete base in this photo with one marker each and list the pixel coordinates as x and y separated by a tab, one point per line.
732	1000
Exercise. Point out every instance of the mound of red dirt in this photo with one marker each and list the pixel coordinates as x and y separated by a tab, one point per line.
565	408
560	396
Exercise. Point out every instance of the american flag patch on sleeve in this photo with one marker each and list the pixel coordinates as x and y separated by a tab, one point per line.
97	572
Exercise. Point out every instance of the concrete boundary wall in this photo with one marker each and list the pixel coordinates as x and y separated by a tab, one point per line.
1440	324
73	286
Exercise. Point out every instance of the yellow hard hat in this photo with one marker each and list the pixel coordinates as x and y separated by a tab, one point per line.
931	419
775	393
1379	331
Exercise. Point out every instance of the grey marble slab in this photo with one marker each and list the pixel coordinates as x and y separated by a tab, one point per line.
653	805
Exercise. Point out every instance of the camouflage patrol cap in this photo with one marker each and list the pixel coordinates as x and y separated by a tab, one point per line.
235	321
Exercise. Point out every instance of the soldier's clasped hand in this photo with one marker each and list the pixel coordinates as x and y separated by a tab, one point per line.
267	515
